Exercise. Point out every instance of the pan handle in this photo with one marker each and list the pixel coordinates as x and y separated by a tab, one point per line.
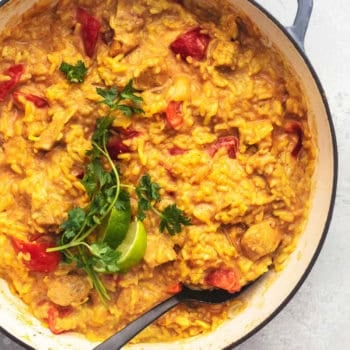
301	22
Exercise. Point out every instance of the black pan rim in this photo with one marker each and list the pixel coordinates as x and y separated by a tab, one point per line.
3	2
290	296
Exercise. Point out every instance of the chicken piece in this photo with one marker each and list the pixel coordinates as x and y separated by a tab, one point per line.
68	290
225	54
127	27
150	78
38	195
229	25
54	131
205	10
259	240
159	250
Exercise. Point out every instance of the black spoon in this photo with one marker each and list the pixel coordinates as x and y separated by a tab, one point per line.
217	296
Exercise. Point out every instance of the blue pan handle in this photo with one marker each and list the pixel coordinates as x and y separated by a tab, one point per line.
301	22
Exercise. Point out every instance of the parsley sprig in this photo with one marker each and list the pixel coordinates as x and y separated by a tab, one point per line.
171	218
114	98
103	188
74	74
102	184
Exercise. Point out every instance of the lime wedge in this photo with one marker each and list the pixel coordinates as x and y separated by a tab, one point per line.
133	247
115	226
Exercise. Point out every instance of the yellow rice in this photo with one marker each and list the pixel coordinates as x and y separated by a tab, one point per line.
241	88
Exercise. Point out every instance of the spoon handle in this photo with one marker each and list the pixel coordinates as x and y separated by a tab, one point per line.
116	341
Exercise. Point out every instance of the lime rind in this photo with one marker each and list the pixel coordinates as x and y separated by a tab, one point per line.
133	247
114	228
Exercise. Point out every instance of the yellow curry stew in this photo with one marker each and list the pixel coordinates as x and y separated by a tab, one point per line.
145	145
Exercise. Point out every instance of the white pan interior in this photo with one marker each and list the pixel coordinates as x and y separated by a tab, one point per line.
267	295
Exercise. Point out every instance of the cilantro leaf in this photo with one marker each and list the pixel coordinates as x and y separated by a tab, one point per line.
109	95
102	129
74	74
147	192
172	219
148	189
123	201
143	206
113	98
73	224
104	258
128	93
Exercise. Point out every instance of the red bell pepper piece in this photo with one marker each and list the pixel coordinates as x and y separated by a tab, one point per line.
14	72
192	43
174	114
224	278
38	101
175	151
53	314
174	288
229	142
40	260
115	146
294	127
128	133
90	30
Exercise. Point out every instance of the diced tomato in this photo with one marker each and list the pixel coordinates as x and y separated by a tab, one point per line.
224	278
174	288
79	174
115	146
34	236
175	151
128	133
38	101
294	127
40	260
174	114
14	72
90	30
193	43
53	314
229	142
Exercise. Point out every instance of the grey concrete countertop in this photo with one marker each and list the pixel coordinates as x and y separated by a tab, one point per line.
318	317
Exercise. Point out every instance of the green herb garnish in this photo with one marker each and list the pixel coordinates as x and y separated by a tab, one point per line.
147	193
171	218
80	240
113	98
74	74
103	189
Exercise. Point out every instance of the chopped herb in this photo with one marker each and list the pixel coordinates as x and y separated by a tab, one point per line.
172	218
104	258
103	189
113	98
147	192
74	74
102	184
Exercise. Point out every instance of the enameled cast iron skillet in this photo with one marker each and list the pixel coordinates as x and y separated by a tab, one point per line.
269	295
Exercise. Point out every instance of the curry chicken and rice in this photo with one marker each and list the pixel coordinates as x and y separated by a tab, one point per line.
145	145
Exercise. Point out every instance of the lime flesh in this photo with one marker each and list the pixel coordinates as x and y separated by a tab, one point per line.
133	247
115	227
